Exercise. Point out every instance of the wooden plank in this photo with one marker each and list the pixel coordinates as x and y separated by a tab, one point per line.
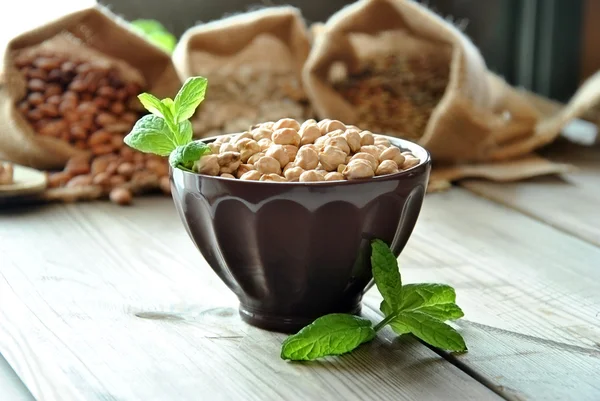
102	302
570	203
529	293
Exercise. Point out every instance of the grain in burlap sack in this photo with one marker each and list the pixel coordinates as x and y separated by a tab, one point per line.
253	62
446	98
90	33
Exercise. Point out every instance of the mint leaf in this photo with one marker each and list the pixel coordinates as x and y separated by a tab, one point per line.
185	156
386	273
150	134
168	102
153	104
184	134
429	329
443	312
333	334
189	98
418	295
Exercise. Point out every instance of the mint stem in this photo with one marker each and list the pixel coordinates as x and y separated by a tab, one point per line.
385	321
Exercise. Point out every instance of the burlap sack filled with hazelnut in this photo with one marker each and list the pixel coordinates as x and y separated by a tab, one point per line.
395	67
253	62
69	87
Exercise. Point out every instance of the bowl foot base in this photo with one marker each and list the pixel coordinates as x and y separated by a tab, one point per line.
284	324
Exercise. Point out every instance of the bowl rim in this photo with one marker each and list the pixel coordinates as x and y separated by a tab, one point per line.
402	143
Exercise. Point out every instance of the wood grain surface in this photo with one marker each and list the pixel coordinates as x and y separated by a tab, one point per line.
101	302
570	203
529	293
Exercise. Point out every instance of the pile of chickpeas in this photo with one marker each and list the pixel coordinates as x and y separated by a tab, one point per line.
287	151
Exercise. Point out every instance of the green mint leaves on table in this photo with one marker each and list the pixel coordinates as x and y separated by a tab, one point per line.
420	309
167	131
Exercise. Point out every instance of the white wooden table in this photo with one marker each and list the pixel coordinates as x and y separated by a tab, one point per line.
100	302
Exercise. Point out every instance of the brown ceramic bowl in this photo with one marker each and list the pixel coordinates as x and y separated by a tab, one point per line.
292	252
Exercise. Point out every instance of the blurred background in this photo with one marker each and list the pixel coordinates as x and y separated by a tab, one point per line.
545	46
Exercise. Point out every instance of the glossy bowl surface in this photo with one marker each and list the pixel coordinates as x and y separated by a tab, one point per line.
292	252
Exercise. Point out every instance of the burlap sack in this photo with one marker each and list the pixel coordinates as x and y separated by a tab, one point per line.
253	62
479	120
91	32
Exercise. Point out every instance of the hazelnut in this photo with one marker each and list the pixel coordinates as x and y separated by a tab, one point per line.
387	167
272	177
392	153
208	164
243	169
311	176
352	137
251	175
307	158
286	123
286	136
268	165
293	173
367	138
334	176
121	196
229	161
278	152
358	169
309	133
247	148
331	157
368	157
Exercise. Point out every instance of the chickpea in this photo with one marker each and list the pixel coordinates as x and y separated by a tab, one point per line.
310	121
309	133
247	147
311	176
255	157
244	135
208	164
229	161
333	134
353	138
410	162
358	169
341	167
268	125
320	143
288	166
227	147
307	158
286	136
264	144
292	151
334	176
348	158
286	123
371	149
367	138
278	153
387	167
243	169
261	133
251	175
227	175
331	158
310	146
214	147
121	196
223	139
268	165
381	140
368	157
408	154
331	125
392	153
338	142
293	174
272	177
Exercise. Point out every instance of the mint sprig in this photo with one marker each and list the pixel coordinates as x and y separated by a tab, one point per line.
418	309
167	131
